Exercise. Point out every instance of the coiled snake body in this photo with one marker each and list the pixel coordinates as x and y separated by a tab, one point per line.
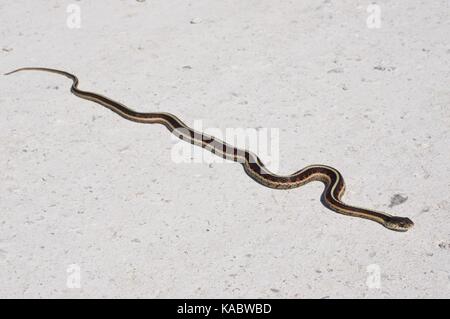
332	179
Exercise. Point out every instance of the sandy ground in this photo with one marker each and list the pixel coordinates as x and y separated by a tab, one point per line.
92	205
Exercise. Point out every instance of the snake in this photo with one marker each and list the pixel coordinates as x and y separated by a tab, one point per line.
334	186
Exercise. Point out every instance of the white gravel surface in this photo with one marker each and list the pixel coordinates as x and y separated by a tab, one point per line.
92	205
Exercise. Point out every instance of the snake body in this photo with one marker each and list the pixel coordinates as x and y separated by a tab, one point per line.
330	177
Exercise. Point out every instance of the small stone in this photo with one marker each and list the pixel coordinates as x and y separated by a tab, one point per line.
336	70
195	21
274	290
425	209
383	68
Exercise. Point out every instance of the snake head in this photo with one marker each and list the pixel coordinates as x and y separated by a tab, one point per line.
399	223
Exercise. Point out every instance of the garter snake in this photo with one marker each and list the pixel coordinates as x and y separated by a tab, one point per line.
329	176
